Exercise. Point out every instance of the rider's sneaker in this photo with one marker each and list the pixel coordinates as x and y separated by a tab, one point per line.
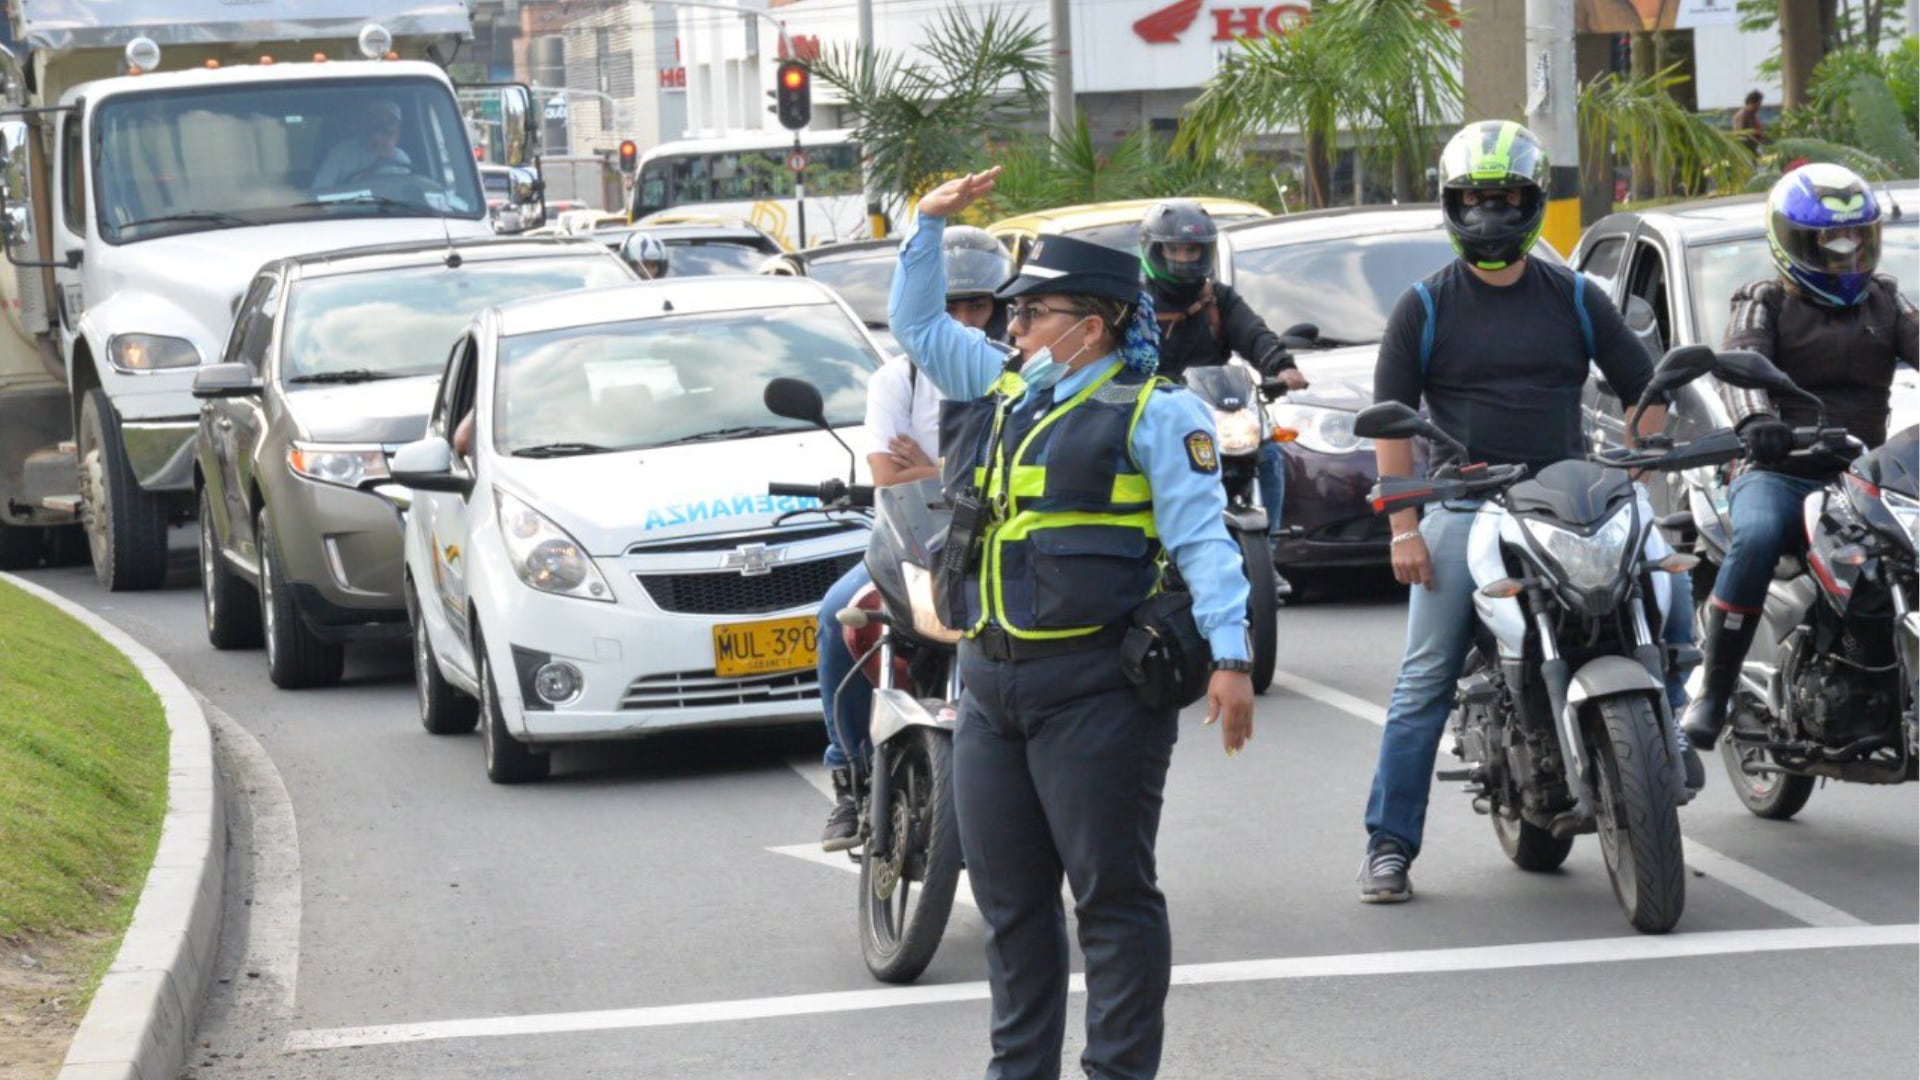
843	821
1383	873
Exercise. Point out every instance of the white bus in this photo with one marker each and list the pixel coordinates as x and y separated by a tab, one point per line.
748	176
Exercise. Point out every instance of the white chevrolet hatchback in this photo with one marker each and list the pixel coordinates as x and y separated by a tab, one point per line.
594	555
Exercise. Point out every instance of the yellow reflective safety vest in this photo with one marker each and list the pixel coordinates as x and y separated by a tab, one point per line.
1069	546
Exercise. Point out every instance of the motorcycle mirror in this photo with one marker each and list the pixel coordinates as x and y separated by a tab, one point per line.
795	399
1388	420
1305	331
1679	367
1752	371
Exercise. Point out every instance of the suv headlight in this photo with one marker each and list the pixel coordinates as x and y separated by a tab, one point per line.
150	352
1322	430
336	463
1589	562
1239	431
544	556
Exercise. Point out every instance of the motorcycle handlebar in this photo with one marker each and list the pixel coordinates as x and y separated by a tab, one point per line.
1394	493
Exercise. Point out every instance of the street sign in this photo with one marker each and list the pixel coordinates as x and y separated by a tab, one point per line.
797	160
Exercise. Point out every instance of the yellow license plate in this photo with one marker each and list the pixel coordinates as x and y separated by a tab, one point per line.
759	648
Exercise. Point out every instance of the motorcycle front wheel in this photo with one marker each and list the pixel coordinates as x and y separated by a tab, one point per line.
1639	822
905	899
1776	796
1257	556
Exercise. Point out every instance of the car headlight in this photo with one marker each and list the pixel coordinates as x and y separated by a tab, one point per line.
1905	511
1322	430
348	466
150	352
544	556
1239	431
1589	562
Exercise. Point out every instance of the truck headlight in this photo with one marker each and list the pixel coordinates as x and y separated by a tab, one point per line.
150	352
1589	562
335	463
544	556
1322	430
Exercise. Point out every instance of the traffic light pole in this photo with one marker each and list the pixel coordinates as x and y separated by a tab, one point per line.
800	193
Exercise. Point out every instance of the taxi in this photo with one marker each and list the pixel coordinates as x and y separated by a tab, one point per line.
591	549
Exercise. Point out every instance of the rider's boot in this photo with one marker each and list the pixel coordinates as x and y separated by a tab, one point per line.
1729	634
843	821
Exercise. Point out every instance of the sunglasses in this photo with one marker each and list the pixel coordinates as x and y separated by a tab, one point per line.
1027	313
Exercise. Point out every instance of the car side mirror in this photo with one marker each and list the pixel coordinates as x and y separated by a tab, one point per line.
428	465
795	399
225	381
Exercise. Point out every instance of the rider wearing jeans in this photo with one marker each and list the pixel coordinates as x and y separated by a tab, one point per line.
1505	361
903	445
1837	329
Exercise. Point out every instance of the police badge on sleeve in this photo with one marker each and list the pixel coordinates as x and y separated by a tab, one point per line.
1201	453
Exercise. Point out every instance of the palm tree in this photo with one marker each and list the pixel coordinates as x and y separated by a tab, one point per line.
1384	64
922	120
1670	143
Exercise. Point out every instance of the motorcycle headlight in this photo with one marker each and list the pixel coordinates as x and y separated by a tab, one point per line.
1589	562
348	466
1322	430
544	556
1906	512
150	352
1239	431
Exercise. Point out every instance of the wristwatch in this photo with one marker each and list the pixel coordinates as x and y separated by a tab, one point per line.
1244	667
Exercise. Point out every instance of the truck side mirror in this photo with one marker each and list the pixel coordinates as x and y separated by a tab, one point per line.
16	191
519	123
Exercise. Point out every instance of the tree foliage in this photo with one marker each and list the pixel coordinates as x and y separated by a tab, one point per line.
1678	144
1859	113
978	77
1039	172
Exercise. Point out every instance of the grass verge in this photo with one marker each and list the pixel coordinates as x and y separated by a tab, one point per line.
83	788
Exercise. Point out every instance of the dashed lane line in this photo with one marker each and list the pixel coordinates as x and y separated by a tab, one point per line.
1429	961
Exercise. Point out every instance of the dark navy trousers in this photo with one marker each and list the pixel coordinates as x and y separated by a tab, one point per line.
1059	769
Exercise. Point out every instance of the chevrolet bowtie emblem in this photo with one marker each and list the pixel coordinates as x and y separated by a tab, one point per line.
752	560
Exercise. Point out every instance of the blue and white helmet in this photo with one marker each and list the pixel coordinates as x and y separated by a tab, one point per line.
1823	225
645	253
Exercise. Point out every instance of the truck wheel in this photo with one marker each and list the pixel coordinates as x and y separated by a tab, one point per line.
296	658
232	605
126	526
19	547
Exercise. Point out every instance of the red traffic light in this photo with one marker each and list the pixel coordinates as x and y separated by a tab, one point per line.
793	77
629	155
793	95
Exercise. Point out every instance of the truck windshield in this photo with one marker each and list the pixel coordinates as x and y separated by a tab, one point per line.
204	158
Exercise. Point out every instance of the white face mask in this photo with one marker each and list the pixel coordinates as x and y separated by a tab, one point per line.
1042	371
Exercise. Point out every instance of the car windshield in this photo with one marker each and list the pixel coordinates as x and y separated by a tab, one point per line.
211	158
1346	287
674	379
861	280
687	258
402	322
1718	271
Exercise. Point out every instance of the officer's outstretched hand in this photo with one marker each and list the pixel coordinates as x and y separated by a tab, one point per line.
956	195
1230	701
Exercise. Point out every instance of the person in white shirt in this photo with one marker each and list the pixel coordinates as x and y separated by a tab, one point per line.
903	445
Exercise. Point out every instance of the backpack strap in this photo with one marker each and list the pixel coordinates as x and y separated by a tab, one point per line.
1580	307
1426	331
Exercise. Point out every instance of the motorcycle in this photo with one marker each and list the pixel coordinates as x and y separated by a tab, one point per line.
1834	698
1239	421
909	841
1561	715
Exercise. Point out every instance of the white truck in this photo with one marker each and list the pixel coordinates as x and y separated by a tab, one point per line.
154	156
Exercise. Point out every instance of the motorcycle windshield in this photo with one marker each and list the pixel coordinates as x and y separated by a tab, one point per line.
1223	386
1577	494
1895	464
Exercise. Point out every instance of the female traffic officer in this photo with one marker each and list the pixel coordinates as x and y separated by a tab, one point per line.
1085	471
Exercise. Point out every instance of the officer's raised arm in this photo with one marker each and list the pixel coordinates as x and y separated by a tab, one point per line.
960	360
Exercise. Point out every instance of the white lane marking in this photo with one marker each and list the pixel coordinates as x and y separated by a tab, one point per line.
1327	695
1542	954
1736	875
273	917
814	773
1769	890
837	860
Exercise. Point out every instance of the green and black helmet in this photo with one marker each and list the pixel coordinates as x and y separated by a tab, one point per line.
1493	155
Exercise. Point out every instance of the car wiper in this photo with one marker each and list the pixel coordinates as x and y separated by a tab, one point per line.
364	198
351	375
220	217
729	433
561	449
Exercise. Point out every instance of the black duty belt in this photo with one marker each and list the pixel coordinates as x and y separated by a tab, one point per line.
995	643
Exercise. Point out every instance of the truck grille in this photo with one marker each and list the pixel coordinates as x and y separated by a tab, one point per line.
694	689
729	593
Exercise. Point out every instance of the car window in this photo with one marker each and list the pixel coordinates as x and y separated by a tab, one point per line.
1602	261
675	379
253	326
1647	282
1718	271
690	257
399	321
73	174
1346	287
862	282
443	418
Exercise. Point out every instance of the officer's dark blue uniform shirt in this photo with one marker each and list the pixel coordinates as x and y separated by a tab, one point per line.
1188	499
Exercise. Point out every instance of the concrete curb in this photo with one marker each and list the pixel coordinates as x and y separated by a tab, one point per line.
142	1018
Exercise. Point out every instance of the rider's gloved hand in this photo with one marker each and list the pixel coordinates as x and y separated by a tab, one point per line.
1768	439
